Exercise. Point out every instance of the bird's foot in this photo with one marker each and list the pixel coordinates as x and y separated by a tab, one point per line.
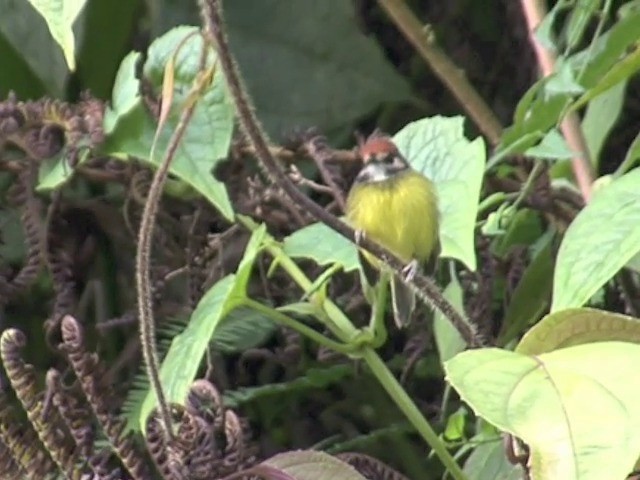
410	269
359	236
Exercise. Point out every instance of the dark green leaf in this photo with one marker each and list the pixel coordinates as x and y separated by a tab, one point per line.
242	329
579	18
314	378
320	69
108	29
27	32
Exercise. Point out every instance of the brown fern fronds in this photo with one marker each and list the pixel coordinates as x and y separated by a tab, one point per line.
47	424
169	456
9	466
60	263
88	371
370	467
22	195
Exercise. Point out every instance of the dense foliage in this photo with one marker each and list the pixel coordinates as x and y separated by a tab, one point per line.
180	299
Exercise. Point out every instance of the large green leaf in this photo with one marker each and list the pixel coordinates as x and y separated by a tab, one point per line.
601	239
207	138
448	339
181	364
60	16
555	403
308	63
438	148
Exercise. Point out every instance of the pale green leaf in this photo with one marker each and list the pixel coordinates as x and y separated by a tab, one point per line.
438	148
552	147
60	15
555	402
600	241
489	462
447	337
323	245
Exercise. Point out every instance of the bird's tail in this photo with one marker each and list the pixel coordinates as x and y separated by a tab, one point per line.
403	300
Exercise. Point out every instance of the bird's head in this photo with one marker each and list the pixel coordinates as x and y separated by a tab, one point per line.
381	159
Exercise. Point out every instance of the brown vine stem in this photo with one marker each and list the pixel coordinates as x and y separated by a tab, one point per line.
453	77
534	11
143	257
424	287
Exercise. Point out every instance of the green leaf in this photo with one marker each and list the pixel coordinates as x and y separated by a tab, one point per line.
607	50
310	465
243	328
323	245
542	401
631	158
531	297
579	18
15	74
563	81
27	32
180	366
600	241
576	326
60	16
552	147
321	69
438	148
488	461
102	49
620	72
447	337
601	115
313	379
207	138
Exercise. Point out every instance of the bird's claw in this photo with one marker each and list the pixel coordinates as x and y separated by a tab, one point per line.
410	269
359	236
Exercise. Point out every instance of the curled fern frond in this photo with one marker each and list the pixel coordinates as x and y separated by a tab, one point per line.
22	448
21	194
88	372
48	424
371	468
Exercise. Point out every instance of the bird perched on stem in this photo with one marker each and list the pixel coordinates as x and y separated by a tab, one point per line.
396	206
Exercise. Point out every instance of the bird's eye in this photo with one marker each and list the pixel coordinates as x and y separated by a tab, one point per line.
388	158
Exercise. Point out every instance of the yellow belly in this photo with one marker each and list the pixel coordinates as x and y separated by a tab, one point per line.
400	213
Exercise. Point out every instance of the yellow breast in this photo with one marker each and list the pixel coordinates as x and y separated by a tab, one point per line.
400	213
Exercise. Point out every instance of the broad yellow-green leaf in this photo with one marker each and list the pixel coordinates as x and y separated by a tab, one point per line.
576	408
600	241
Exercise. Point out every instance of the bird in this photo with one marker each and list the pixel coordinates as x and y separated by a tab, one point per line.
397	207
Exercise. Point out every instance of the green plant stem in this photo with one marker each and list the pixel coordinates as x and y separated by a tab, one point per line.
452	76
406	405
529	184
299	327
